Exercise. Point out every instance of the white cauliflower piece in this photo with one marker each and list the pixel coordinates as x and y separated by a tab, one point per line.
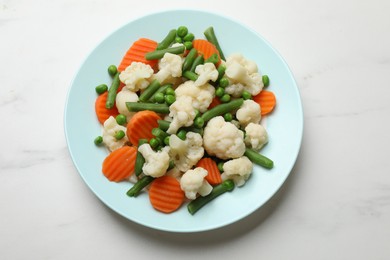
186	153
240	70
235	90
256	136
182	113
136	76
169	68
223	139
156	163
249	112
110	128
201	97
122	97
239	170
206	72
192	182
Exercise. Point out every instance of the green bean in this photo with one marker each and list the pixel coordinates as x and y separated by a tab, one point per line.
158	108
163	124
149	91
199	202
157	132
182	134
112	70
112	92
198	61
98	140
220	166
119	135
222	109
158	54
214	58
139	185
120	119
166	140
154	143
162	90
189	60
211	37
193	129
101	89
190	75
221	71
258	159
166	42
265	79
139	159
182	31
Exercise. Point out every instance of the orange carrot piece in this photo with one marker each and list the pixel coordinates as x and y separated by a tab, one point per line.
165	194
214	175
120	164
137	52
101	111
140	126
214	102
267	101
205	47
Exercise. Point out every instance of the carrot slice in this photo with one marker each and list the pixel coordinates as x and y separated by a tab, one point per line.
165	194
120	164
140	126
267	101
214	175
205	47
214	102
137	52
101	111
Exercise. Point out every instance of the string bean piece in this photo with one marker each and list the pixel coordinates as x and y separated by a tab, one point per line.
149	91
162	90
199	202
189	60
158	54
198	61
190	75
158	108
211	37
163	124
112	92
166	42
139	185
139	159
222	109
258	159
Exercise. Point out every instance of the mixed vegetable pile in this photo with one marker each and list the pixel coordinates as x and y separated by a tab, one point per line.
182	121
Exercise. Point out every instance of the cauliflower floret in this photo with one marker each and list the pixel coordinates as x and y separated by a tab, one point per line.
122	97
201	96
239	170
186	153
205	73
249	112
110	128
182	113
169	68
223	139
256	136
156	163
136	76
235	89
192	182
240	70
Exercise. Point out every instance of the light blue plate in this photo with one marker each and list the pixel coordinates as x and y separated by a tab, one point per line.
284	125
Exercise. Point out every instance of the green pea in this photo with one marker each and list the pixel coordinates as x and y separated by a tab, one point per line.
246	95
189	37
188	45
182	31
224	82
159	98
228	117
225	98
120	119
119	135
154	143
166	140
112	70
265	79
178	40
101	88
219	92
98	140
199	122
170	99
170	91
182	134
220	166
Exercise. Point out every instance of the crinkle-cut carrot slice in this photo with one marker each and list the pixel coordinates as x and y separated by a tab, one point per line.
165	194
140	126
101	111
137	52
206	48
214	175
120	163
267	101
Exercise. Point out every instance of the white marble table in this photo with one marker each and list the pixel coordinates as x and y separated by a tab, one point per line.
334	205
